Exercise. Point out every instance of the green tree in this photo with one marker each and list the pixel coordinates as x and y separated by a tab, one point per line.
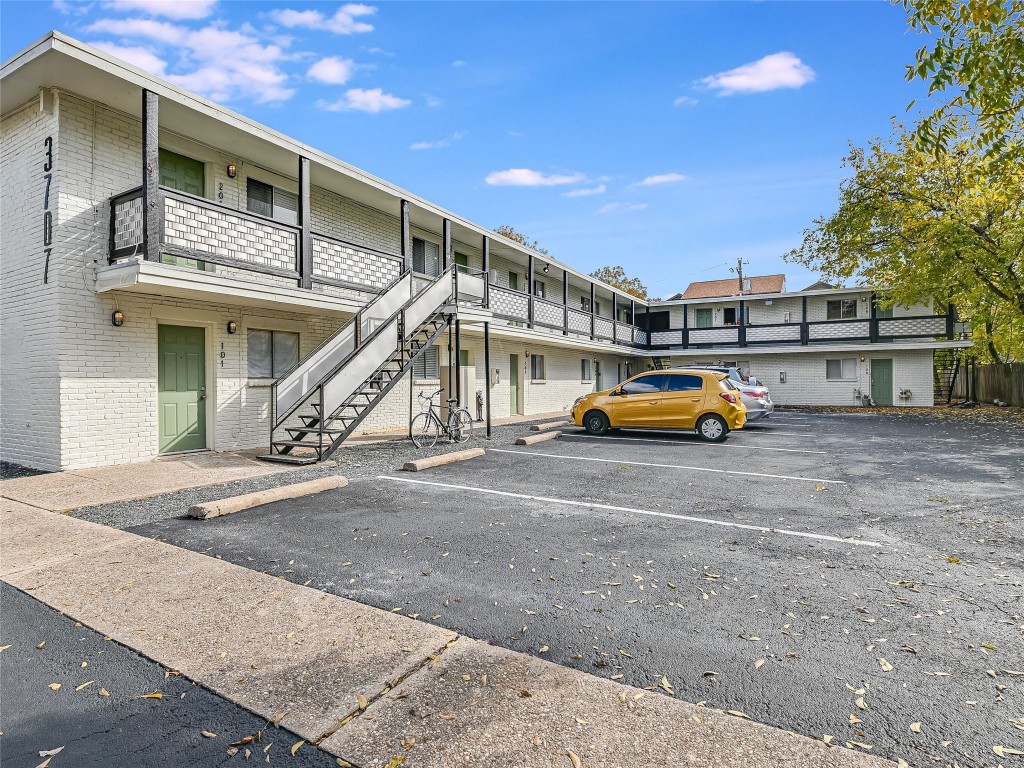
617	276
976	55
920	226
513	234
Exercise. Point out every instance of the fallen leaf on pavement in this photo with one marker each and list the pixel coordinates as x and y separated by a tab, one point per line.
104	692
45	763
4	647
885	665
666	684
758	663
54	686
363	703
737	713
915	727
50	752
153	695
85	685
209	735
860	703
295	747
1002	751
573	758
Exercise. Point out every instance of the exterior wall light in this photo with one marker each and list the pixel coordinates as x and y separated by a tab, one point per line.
546	268
232	327
117	318
232	171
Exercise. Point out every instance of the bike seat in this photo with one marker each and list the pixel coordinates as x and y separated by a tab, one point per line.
452	400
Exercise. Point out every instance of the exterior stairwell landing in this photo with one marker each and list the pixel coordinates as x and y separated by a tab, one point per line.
320	402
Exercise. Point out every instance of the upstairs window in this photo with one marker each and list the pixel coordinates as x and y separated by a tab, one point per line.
841	309
426	257
270	201
538	289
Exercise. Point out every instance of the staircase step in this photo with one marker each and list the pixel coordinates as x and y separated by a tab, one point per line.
295	444
303	431
287	458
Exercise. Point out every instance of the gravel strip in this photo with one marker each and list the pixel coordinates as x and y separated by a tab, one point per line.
9	470
352	462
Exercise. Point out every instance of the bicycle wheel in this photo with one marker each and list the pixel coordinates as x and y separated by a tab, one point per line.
423	431
461	426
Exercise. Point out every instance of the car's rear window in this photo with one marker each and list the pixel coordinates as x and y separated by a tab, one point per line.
684	382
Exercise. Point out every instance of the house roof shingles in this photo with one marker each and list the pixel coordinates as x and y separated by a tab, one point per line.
710	289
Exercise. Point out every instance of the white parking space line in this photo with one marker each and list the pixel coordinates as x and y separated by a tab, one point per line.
690	442
670	466
610	507
756	431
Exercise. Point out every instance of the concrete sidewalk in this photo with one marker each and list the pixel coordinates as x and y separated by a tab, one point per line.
368	686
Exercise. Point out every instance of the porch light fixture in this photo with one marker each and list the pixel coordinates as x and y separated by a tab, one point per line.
232	171
232	327
117	318
546	268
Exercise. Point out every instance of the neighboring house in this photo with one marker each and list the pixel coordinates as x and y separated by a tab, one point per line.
178	277
819	346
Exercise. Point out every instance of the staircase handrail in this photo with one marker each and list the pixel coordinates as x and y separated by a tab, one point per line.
361	343
354	325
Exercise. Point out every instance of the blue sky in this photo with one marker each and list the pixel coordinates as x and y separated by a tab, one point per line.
671	138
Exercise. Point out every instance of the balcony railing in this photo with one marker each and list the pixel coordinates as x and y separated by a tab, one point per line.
870	330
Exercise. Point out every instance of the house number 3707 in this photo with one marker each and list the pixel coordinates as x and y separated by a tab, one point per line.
47	214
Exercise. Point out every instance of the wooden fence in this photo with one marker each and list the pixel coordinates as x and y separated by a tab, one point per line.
994	382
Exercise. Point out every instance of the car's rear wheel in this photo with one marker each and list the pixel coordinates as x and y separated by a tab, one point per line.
596	423
712	428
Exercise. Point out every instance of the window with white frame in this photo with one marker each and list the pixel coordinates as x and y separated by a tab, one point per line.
537	372
270	201
841	309
584	304
425	366
538	289
841	369
585	369
271	354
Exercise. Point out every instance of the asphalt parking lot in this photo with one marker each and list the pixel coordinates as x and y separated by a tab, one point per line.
852	577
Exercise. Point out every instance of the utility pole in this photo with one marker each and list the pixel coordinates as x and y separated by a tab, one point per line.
739	271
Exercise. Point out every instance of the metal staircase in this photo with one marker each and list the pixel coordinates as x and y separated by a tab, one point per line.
320	402
946	368
661	363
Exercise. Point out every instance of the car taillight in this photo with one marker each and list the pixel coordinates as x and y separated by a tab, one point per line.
756	395
729	397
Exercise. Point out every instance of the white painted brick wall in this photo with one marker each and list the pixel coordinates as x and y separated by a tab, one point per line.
29	381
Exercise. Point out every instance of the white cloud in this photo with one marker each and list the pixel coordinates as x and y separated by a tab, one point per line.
439	144
343	22
220	63
613	207
172	9
372	101
586	191
684	101
333	70
71	7
459	63
777	70
379	51
524	177
143	58
661	178
433	102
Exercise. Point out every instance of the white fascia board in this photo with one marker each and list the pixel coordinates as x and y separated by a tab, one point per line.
542	338
749	297
181	282
800	349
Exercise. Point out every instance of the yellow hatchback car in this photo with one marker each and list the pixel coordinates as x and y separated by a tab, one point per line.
706	401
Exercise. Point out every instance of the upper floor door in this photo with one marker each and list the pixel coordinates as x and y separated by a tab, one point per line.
185	175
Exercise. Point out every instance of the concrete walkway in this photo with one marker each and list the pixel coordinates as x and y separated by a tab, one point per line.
368	438
73	489
366	685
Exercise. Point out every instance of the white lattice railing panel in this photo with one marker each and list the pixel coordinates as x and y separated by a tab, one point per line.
603	327
838	330
350	264
773	333
128	223
548	313
917	326
579	322
509	303
662	338
199	228
714	335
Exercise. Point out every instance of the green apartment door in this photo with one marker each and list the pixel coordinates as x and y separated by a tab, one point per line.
513	384
185	175
881	381
181	388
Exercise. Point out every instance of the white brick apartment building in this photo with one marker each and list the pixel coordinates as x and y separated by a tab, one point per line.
166	262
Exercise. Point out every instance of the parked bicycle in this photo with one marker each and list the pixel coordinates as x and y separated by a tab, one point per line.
426	427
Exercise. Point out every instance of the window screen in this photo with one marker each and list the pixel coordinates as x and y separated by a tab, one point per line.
840	369
271	354
286	206
260	198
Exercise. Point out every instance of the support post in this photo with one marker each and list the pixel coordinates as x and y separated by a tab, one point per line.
615	318
485	248
446	244
565	302
152	200
593	311
487	378
950	321
529	289
458	360
305	265
647	325
805	333
686	326
448	388
406	234
741	331
632	321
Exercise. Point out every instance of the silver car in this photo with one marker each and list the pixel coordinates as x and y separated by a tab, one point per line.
755	397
